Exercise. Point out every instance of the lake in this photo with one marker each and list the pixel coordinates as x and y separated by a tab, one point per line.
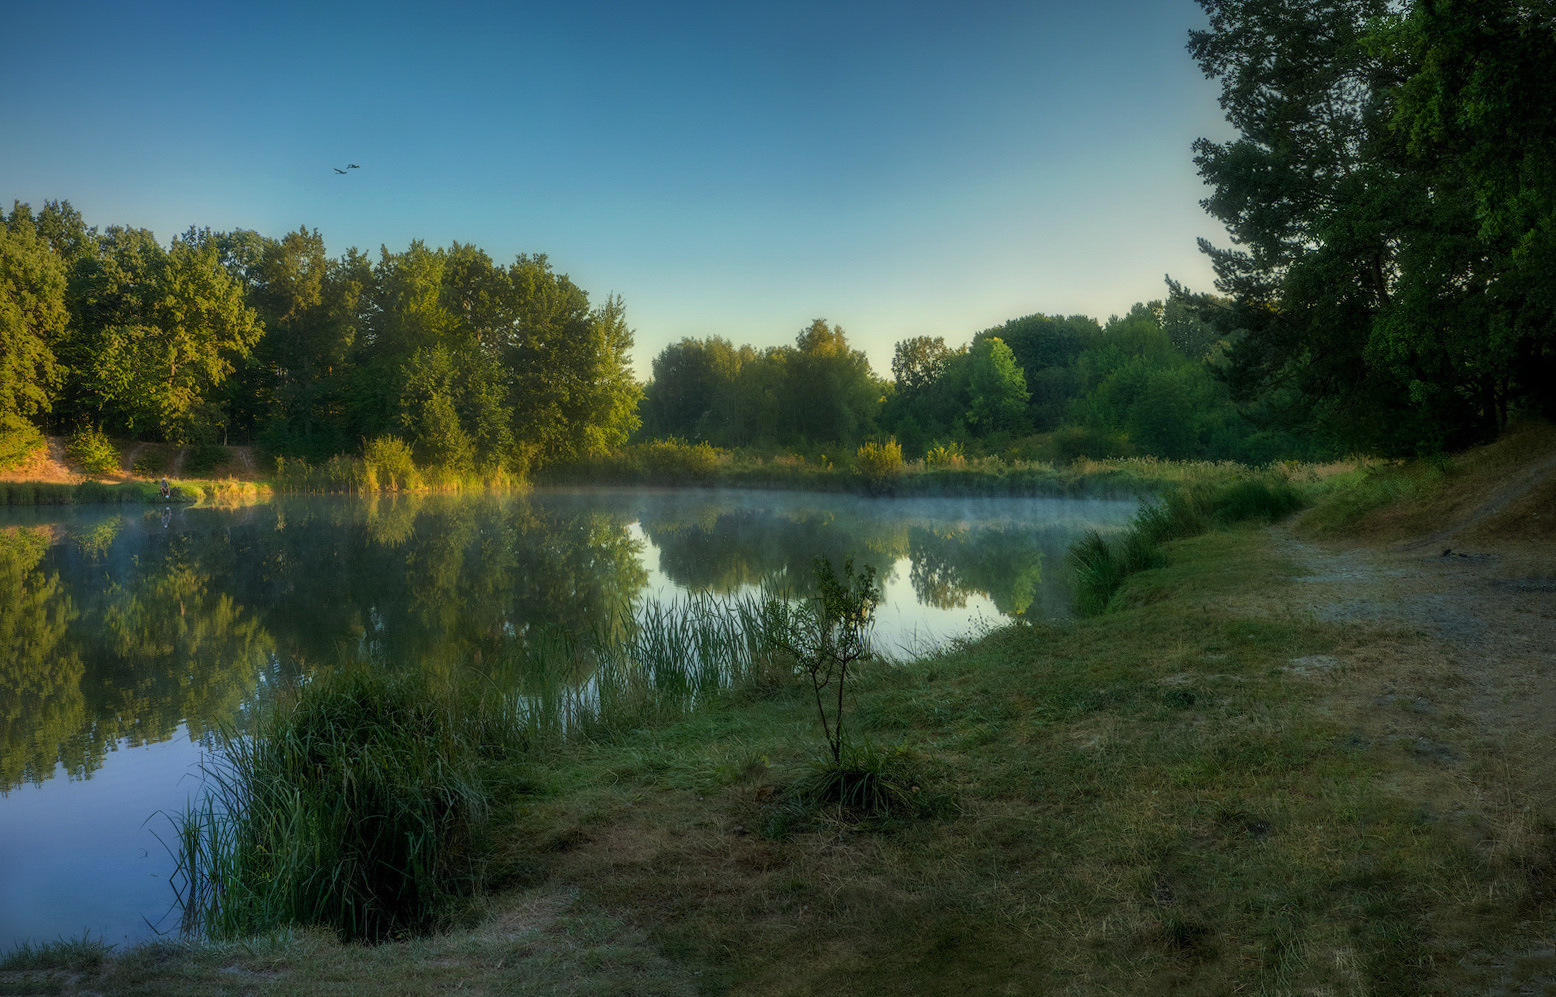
133	635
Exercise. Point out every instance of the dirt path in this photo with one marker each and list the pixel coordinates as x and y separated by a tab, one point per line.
1451	659
1522	483
1484	611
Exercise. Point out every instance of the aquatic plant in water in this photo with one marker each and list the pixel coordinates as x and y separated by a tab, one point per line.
355	805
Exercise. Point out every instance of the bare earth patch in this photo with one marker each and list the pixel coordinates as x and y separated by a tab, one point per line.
1452	664
48	464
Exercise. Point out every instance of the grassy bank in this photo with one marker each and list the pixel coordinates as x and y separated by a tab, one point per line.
1211	788
869	470
1184	795
225	492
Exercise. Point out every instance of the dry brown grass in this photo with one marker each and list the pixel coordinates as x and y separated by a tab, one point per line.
1473	489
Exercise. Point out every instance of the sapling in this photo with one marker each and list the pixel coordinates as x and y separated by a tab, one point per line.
826	635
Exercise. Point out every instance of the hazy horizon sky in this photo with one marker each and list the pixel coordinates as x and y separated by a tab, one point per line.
900	169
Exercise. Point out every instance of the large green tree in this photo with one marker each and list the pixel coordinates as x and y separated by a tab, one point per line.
693	381
154	333
1404	314
997	387
33	318
831	394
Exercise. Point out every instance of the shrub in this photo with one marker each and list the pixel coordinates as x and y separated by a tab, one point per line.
676	459
1070	443
825	635
947	455
90	448
1256	498
879	463
18	443
150	464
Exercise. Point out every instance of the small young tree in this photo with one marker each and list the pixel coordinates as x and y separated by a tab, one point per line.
827	635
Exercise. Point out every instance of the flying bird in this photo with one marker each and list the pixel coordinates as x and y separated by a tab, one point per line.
353	166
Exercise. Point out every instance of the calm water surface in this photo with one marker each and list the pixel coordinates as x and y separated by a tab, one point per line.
128	637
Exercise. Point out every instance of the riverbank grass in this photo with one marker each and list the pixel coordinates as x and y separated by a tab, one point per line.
1182	795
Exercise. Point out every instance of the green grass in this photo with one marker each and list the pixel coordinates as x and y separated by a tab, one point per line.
1345	499
867	470
101	493
1100	565
356	805
1144	802
82	953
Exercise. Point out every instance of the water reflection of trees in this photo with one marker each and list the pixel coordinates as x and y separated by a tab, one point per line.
708	547
724	551
41	705
119	628
438	583
130	630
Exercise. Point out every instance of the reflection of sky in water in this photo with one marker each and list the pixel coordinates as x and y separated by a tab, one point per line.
904	626
67	837
178	626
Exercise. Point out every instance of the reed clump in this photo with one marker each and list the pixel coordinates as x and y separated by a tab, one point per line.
356	805
386	465
631	674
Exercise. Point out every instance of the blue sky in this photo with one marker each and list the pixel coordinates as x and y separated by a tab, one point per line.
732	169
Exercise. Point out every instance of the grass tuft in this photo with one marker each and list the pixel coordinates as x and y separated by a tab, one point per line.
77	954
866	782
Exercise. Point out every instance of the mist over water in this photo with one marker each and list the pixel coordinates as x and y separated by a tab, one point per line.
139	633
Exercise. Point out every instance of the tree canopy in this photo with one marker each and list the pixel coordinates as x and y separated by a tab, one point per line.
473	363
1391	202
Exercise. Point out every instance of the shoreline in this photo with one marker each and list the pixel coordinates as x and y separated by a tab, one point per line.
1284	757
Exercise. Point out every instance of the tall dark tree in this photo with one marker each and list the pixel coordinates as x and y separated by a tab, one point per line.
692	385
1360	277
831	392
1475	116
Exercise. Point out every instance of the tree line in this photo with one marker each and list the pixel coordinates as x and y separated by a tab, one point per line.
218	335
1390	285
1037	386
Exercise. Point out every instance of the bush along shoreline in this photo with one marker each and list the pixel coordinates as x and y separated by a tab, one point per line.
1101	564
